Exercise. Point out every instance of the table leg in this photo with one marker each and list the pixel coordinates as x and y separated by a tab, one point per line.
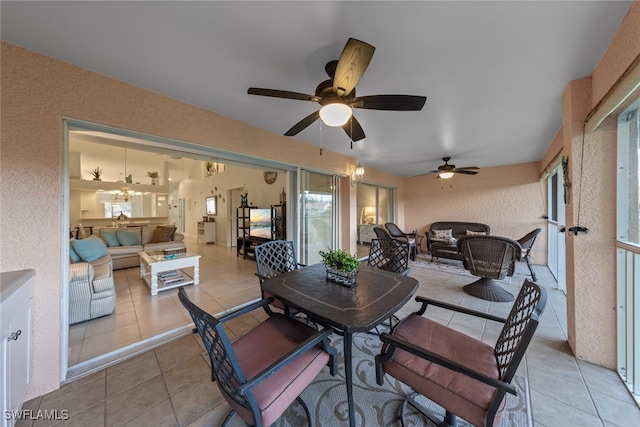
196	273
154	281
348	370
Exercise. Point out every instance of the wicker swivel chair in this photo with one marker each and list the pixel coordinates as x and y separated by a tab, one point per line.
491	258
526	243
264	371
411	238
466	376
274	258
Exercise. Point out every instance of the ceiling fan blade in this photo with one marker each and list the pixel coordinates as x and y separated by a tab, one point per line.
390	102
302	124
466	172
353	62
282	94
354	129
469	167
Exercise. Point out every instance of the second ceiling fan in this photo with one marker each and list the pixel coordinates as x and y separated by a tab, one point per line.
447	171
337	96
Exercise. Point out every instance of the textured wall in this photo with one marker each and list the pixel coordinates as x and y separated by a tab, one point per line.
510	199
37	93
590	257
591	264
622	51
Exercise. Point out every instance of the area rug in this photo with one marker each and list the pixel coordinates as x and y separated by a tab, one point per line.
378	405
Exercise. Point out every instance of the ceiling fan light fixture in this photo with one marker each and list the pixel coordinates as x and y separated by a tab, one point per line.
445	175
335	114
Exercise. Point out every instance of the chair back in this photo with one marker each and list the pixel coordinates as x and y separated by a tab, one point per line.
519	328
274	258
381	233
225	368
394	230
390	255
491	257
82	234
528	240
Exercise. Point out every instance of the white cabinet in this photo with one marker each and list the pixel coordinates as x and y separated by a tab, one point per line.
366	233
206	232
16	299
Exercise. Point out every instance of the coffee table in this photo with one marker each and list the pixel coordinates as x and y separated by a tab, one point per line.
156	262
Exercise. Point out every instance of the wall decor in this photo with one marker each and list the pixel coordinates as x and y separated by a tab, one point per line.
270	177
565	175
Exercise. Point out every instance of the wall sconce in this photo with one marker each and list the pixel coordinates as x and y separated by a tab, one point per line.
357	175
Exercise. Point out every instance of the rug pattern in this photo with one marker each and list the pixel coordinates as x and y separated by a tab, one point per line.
377	405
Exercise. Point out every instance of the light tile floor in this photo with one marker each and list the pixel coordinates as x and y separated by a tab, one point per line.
170	385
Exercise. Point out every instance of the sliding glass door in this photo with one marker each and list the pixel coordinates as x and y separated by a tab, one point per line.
628	248
556	222
375	204
317	226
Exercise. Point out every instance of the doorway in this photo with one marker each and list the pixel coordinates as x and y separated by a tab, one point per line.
184	181
556	223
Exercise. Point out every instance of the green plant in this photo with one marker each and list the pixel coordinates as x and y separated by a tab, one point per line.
153	174
96	172
209	166
340	260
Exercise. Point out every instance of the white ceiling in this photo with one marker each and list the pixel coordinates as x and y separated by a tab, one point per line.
493	72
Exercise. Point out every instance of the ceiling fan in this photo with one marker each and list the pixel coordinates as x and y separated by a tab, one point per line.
446	171
337	96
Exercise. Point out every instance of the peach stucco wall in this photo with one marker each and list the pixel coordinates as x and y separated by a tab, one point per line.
591	268
37	93
509	199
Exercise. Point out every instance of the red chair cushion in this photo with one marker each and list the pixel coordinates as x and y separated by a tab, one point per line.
264	345
461	395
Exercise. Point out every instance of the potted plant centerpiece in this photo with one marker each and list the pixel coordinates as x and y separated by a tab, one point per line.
96	173
154	176
341	266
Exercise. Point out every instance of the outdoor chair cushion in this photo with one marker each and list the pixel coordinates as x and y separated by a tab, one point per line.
470	397
261	347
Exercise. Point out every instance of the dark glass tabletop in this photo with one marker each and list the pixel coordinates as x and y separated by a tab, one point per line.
377	295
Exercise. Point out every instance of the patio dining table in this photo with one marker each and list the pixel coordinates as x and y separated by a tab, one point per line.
377	295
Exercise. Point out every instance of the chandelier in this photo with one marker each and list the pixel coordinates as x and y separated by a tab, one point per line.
125	194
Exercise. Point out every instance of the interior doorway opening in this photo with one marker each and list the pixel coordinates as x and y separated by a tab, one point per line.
184	182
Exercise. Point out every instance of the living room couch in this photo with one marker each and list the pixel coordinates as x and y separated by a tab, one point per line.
124	244
443	236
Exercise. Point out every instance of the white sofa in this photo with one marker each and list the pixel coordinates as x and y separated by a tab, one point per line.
125	250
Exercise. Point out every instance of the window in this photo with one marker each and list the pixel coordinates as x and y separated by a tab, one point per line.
628	145
628	248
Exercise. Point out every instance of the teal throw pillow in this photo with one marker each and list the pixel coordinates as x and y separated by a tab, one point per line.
110	237
90	249
127	238
73	254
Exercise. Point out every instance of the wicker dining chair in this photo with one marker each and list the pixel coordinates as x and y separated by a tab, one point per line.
526	243
490	258
264	371
390	255
467	377
272	259
411	238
